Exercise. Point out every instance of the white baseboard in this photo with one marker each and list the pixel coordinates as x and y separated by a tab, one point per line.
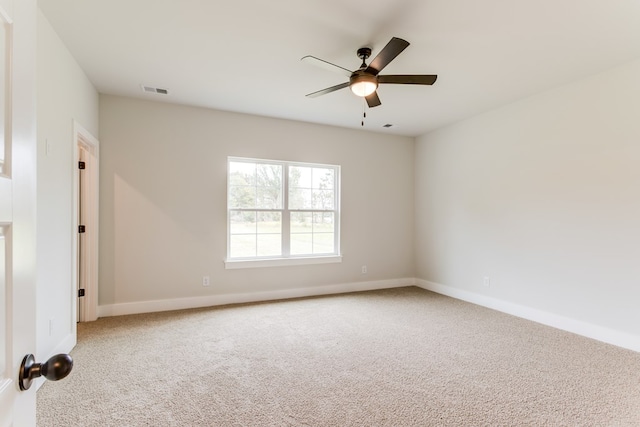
599	333
607	335
209	301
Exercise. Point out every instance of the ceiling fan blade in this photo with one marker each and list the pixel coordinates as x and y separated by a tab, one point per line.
409	79
373	100
326	65
328	90
386	55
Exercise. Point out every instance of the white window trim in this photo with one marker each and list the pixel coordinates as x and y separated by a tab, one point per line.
231	264
238	263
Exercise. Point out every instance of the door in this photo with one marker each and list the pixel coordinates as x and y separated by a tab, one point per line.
17	206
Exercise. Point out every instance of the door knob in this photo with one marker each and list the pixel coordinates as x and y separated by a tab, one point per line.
54	369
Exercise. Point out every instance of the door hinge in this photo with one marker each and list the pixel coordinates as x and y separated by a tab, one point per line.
82	165
80	292
81	229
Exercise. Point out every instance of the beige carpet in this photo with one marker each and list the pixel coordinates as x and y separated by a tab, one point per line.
401	357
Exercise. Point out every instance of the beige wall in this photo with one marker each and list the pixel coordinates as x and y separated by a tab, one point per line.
542	196
64	94
163	200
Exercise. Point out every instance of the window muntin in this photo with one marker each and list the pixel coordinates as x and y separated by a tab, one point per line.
282	209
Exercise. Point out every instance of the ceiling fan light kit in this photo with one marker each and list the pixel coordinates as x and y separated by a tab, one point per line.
364	81
362	84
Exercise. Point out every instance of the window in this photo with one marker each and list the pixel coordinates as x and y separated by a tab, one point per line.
282	211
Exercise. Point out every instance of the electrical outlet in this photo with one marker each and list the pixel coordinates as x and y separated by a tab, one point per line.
364	269
487	281
206	281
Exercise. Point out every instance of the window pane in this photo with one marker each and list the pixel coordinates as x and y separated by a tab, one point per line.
299	177
269	186
269	223
242	173
300	194
323	199
269	197
323	222
300	198
242	222
242	246
301	244
323	243
268	175
301	222
269	244
242	197
322	178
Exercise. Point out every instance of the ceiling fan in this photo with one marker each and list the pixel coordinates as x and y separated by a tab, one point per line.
365	80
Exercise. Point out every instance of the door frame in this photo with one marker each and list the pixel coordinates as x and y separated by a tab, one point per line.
85	263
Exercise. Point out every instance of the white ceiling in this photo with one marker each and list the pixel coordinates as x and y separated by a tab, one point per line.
244	55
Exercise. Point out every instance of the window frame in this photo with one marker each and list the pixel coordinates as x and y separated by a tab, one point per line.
286	258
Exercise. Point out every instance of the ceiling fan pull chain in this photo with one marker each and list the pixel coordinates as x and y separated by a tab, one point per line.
364	113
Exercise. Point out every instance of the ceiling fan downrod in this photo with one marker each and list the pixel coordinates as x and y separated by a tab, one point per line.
364	53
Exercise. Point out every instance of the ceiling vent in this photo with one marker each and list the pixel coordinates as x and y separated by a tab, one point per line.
150	89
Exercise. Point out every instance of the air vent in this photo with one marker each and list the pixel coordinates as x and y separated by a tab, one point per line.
388	125
150	89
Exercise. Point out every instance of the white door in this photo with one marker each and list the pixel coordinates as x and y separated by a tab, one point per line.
17	206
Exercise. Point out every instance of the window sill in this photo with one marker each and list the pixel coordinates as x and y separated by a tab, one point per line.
280	262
